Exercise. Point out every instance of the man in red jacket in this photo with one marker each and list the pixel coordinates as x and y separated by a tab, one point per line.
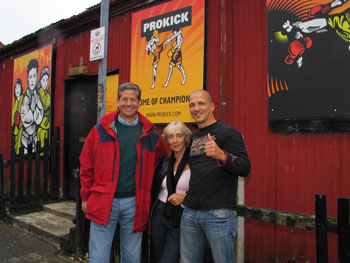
116	173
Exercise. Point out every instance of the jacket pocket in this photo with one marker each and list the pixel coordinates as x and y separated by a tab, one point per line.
99	200
96	205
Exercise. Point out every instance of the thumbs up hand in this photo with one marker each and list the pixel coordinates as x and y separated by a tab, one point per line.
213	150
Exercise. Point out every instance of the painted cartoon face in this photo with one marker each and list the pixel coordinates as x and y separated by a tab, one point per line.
128	105
176	140
44	81
18	90
155	34
342	26
32	76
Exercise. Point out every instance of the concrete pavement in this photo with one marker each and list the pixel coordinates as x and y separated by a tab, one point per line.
17	246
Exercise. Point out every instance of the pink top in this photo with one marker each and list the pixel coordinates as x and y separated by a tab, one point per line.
181	187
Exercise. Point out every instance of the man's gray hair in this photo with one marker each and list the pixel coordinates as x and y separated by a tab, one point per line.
129	86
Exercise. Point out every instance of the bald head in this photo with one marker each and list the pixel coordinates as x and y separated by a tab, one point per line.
210	99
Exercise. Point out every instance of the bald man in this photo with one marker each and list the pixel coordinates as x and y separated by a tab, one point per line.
217	157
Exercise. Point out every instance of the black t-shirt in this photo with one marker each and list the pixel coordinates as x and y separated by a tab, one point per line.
214	185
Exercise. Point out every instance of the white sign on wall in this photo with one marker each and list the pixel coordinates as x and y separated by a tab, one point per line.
97	40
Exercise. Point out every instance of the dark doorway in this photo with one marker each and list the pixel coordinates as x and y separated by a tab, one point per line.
80	116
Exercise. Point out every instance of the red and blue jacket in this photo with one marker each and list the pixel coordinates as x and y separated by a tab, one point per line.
99	169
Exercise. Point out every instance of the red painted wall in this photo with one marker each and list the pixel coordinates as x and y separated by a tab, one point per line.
6	68
288	169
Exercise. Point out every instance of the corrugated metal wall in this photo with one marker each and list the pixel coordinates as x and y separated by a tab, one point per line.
287	169
75	50
120	46
6	95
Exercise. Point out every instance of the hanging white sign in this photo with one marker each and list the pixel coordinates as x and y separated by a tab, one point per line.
97	40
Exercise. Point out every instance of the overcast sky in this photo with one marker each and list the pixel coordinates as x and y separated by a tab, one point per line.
19	18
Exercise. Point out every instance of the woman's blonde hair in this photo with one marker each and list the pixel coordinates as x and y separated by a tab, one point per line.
176	125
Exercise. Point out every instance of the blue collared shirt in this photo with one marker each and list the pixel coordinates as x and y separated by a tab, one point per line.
133	123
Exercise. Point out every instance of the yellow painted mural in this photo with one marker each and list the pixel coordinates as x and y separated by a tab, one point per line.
112	83
31	102
167	58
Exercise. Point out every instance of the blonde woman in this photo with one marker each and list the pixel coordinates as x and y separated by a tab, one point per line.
170	184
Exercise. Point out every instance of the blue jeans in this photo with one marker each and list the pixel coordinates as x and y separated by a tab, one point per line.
101	237
219	227
165	238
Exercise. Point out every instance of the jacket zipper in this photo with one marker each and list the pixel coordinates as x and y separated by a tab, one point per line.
114	161
141	166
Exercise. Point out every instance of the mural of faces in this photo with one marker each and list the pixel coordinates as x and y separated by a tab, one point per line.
32	76
44	81
18	90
